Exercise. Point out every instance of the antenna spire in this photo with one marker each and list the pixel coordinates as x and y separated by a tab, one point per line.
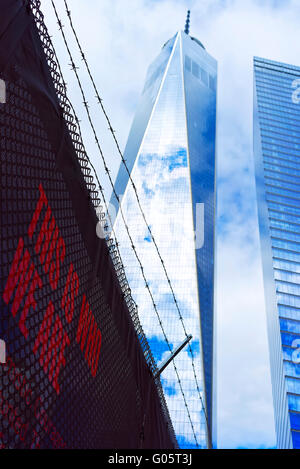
187	23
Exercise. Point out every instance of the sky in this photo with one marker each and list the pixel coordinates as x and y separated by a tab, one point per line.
121	38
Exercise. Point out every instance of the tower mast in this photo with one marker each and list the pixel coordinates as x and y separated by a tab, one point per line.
187	23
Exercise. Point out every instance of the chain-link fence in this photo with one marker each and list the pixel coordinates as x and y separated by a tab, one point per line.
78	370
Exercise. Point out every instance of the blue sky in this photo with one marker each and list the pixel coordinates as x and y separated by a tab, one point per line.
120	40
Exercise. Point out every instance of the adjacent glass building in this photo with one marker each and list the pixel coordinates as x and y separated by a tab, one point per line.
277	158
171	156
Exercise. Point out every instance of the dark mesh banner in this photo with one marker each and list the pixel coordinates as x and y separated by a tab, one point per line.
76	371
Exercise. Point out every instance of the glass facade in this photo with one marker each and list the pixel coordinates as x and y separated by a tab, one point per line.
277	157
171	155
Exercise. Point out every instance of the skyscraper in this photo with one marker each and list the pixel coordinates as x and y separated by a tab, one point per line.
277	157
170	153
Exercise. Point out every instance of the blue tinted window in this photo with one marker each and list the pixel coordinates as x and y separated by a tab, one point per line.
296	439
295	421
212	83
188	63
289	325
277	150
195	69
172	173
204	76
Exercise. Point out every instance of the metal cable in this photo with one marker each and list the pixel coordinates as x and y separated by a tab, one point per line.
74	68
75	133
100	101
112	243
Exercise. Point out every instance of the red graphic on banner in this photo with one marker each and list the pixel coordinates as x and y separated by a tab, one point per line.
23	283
16	421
